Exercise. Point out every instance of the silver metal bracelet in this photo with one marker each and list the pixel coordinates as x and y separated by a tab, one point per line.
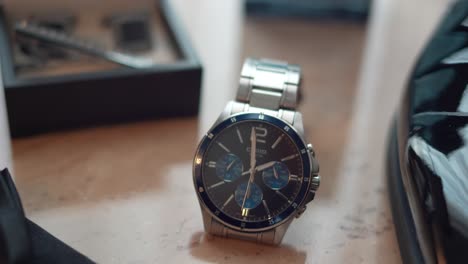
269	84
270	87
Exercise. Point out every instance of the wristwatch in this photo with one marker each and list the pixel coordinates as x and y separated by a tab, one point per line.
253	172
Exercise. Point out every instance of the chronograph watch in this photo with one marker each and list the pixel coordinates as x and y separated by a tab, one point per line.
253	172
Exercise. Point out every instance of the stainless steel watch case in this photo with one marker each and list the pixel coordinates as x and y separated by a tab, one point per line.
272	234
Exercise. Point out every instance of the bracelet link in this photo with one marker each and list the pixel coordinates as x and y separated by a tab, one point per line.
269	84
266	237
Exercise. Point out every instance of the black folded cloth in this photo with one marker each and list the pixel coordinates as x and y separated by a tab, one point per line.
24	242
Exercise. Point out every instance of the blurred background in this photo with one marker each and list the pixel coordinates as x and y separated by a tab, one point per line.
112	176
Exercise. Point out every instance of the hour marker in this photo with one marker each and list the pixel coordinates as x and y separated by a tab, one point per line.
261	133
223	147
245	212
240	136
293	177
212	164
282	196
290	157
227	201
216	185
266	208
277	141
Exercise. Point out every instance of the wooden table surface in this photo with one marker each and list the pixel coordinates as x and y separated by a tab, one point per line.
124	193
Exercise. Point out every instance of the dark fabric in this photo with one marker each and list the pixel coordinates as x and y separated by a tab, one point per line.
48	249
15	244
24	242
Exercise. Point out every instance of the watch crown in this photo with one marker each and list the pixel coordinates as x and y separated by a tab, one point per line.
315	183
310	148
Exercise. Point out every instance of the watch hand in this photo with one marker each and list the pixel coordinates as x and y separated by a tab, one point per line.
275	173
230	165
265	166
253	146
261	167
253	149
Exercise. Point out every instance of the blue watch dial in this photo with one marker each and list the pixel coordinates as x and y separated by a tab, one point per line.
252	171
229	167
276	177
251	199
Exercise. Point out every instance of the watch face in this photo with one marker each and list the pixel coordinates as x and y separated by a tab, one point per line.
252	171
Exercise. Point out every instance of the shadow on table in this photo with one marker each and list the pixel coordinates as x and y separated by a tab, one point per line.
218	250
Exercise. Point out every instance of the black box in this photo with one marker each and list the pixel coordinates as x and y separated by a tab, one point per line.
42	104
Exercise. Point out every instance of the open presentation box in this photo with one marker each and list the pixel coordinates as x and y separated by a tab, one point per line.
94	92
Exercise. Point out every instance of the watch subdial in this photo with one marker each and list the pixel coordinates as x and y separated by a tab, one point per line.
229	168
253	198
276	177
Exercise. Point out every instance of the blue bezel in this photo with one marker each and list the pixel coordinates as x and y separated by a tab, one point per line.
245	225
